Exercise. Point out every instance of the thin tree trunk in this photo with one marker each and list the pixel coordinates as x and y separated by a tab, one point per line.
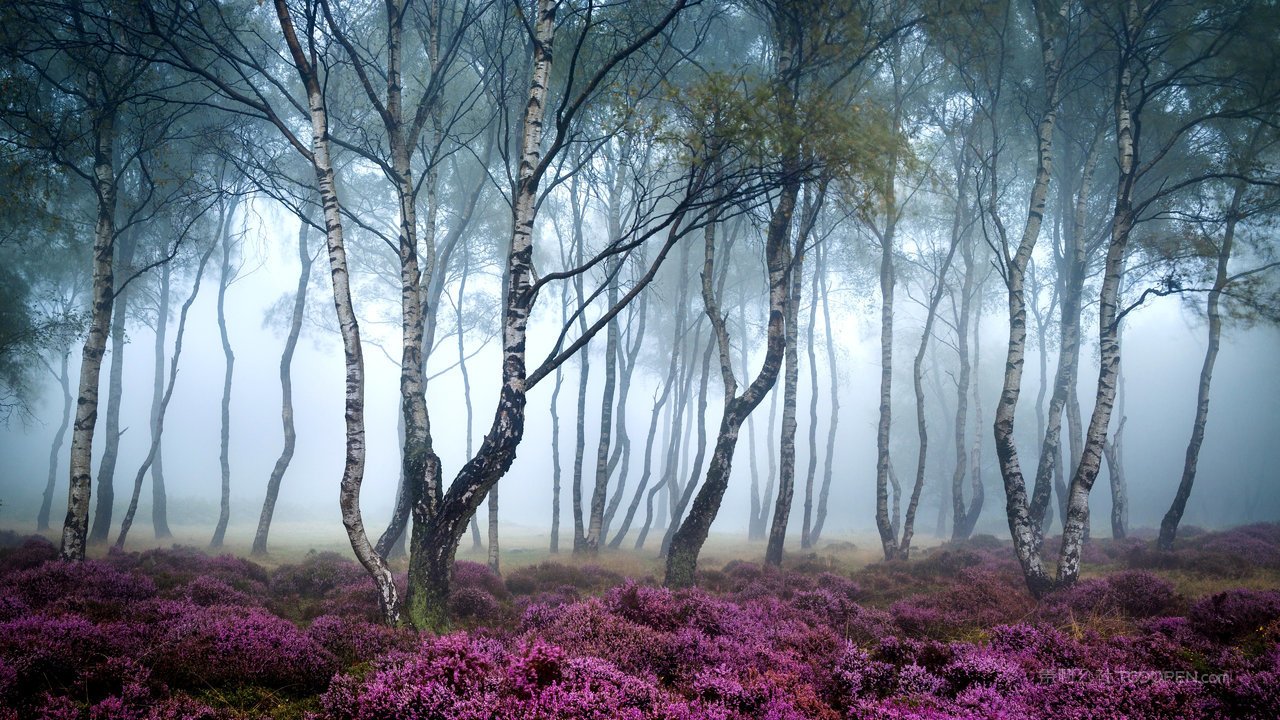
1169	523
157	432
224	456
687	542
555	435
622	449
111	448
1122	222
917	379
833	370
159	512
353	466
686	493
286	394
671	463
75	528
791	381
46	501
811	471
595	524
755	527
159	499
646	471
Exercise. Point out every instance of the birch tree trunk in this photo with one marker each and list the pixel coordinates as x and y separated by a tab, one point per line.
127	243
46	500
811	471
1122	221
687	541
224	455
162	404
833	370
286	394
353	466
1024	526
159	498
917	379
1169	523
75	528
595	523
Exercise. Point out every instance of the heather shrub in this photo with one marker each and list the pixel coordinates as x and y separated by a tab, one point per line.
1131	593
552	577
179	565
227	645
354	641
1234	614
468	678
31	552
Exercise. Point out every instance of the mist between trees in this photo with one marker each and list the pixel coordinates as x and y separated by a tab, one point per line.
783	270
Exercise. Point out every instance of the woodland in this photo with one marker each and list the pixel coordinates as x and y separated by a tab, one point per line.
810	315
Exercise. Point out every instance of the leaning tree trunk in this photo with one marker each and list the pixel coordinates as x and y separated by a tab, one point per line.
700	456
157	432
224	456
353	466
159	512
622	449
647	468
917	380
687	542
286	394
671	461
1169	524
111	447
75	528
46	501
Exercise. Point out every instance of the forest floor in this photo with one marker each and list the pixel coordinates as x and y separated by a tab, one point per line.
177	633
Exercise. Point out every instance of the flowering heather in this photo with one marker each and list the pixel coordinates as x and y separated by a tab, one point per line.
951	634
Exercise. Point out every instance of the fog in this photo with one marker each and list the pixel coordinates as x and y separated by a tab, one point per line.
1163	351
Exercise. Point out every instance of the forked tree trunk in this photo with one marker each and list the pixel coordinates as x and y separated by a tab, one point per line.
111	447
224	455
786	478
885	524
286	394
46	500
1090	460
157	432
1024	525
687	542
